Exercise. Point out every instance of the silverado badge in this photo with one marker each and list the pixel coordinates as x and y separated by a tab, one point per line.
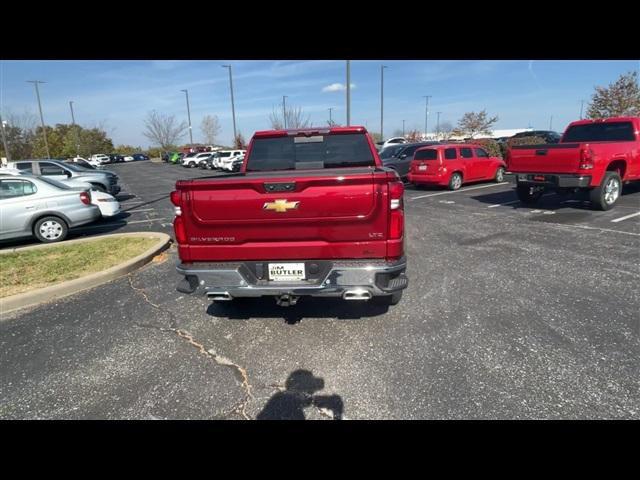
280	206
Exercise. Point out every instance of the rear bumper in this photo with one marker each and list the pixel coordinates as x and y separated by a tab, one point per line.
418	179
238	279
553	180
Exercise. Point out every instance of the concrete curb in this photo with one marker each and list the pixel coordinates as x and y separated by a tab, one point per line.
59	290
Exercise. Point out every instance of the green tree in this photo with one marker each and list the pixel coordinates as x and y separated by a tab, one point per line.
475	123
621	98
127	149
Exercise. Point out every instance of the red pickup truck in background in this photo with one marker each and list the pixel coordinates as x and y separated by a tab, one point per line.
311	213
598	156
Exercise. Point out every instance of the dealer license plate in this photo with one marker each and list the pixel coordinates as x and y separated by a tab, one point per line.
286	272
422	167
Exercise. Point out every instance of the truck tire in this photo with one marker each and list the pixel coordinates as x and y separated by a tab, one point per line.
392	299
526	197
455	182
605	196
50	229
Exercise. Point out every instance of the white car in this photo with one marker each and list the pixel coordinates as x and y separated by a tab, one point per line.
101	158
107	204
128	158
391	141
225	158
228	163
192	160
81	162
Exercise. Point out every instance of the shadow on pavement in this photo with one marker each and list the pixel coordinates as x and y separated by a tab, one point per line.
553	201
299	392
247	308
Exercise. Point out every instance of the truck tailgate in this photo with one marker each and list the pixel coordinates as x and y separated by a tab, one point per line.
550	158
286	215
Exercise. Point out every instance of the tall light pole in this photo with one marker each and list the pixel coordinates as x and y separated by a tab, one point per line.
44	130
382	67
426	115
284	110
73	124
233	108
551	122
581	106
186	92
4	140
330	120
403	128
438	124
348	92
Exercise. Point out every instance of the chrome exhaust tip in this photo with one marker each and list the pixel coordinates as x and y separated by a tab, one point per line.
219	296
357	294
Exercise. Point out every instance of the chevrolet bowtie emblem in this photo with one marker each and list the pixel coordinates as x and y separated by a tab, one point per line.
280	205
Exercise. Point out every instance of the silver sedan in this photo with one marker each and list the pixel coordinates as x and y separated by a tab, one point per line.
41	207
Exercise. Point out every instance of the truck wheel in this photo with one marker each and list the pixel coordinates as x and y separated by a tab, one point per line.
525	195
50	229
392	299
499	175
455	182
606	195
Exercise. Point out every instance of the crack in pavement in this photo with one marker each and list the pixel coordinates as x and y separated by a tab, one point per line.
240	407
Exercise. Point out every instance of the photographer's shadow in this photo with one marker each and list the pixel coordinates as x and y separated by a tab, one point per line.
299	394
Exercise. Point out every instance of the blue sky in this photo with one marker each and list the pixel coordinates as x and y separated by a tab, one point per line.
119	94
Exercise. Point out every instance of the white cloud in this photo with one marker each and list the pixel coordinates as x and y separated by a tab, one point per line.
337	87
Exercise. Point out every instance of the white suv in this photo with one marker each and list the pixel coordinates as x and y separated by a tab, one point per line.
100	158
224	159
193	160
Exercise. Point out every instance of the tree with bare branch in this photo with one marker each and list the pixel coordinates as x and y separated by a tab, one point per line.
210	129
294	115
163	130
475	123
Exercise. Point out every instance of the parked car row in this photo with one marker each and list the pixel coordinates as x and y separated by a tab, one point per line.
45	198
227	160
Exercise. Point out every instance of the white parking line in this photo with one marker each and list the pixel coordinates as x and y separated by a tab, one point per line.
501	204
458	191
625	217
141	210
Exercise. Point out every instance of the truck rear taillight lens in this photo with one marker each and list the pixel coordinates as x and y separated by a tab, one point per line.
85	198
175	199
178	228
396	191
586	159
396	217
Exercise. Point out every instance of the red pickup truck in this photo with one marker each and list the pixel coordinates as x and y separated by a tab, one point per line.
312	212
598	156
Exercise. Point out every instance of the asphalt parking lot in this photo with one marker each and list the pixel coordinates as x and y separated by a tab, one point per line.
512	312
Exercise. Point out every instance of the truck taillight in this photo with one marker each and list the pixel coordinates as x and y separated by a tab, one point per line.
586	159
178	227
175	199
85	198
396	217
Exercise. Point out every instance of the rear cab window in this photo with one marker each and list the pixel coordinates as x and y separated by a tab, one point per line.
25	166
600	132
312	152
